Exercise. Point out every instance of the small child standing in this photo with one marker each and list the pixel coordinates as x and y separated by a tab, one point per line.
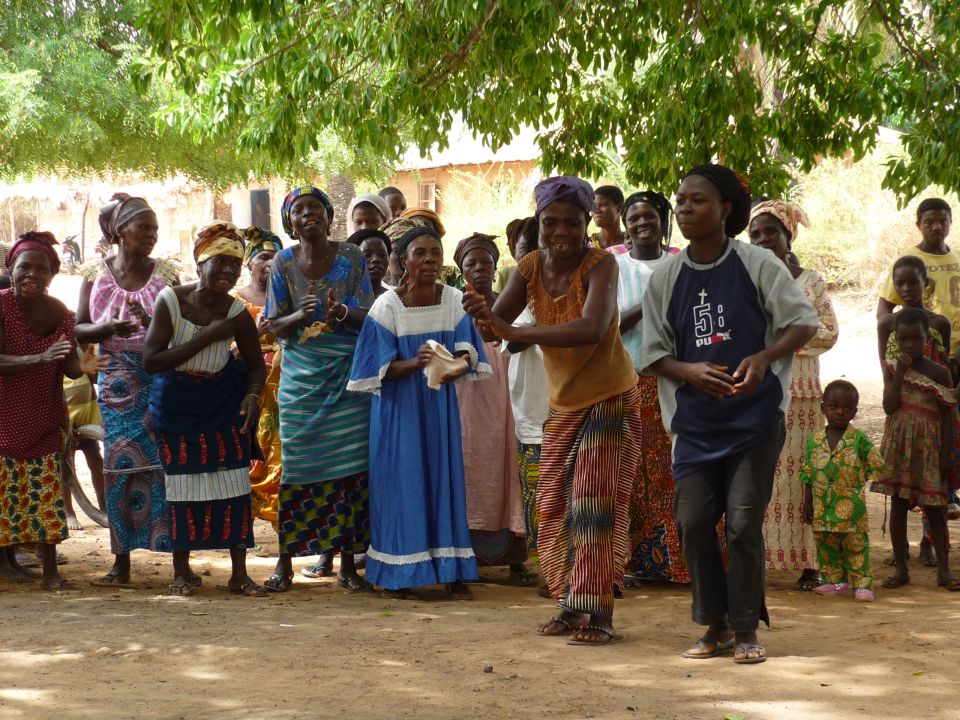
838	462
919	400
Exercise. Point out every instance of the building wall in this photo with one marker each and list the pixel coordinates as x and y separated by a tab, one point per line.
475	197
71	208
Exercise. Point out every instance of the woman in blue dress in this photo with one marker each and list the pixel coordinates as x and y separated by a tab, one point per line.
419	533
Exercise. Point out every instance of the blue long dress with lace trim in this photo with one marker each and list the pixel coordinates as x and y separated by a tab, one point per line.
418	508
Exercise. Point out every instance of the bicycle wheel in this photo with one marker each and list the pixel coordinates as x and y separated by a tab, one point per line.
80	497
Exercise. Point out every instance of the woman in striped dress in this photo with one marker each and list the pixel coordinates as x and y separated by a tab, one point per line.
317	300
203	408
590	440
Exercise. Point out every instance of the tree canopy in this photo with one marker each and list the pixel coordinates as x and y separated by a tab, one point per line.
764	85
221	89
69	106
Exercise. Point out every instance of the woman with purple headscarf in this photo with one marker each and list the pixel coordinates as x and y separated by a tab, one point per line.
590	447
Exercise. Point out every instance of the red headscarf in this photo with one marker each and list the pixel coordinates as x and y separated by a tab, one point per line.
35	240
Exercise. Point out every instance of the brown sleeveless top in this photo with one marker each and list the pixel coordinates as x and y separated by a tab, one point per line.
577	377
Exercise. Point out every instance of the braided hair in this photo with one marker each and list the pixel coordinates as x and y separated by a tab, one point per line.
663	207
734	189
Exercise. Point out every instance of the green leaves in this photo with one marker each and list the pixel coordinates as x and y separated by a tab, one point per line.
767	86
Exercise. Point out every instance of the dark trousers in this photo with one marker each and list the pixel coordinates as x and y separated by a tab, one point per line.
738	489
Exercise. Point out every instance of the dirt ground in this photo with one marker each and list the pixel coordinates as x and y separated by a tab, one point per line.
318	652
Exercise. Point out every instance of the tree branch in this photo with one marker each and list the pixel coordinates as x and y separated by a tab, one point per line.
107	48
455	60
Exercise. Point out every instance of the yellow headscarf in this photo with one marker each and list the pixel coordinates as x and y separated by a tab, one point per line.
217	238
420	215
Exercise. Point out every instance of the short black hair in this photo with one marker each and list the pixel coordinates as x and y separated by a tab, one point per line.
360	235
391	190
910	317
5	281
734	189
911	261
611	193
930	204
842	386
531	233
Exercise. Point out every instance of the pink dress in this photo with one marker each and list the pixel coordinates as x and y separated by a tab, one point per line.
108	300
494	503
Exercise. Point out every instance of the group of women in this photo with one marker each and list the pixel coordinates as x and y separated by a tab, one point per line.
339	387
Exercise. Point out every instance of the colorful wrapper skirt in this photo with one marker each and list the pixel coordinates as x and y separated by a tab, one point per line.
265	474
206	455
654	545
587	468
133	479
331	515
211	524
324	501
31	501
528	468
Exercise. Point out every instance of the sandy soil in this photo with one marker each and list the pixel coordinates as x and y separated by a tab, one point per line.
318	652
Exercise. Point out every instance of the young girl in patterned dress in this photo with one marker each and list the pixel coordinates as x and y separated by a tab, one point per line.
918	398
911	282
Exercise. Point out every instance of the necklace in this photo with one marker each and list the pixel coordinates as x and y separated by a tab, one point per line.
705	275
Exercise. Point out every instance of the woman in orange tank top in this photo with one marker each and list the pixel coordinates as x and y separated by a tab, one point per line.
590	444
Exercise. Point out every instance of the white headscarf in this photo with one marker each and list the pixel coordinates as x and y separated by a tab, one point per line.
378	202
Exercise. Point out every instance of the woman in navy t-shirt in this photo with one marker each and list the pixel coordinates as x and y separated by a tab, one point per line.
721	322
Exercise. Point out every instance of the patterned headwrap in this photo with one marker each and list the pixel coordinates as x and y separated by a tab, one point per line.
378	202
402	232
659	202
790	215
258	239
217	238
35	240
292	198
734	189
477	241
564	188
121	209
419	214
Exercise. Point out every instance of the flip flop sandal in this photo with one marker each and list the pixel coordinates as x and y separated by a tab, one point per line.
353	584
278	583
953	584
462	593
523	579
249	589
893	582
606	638
179	589
195	581
741	650
566	628
57	586
317	570
104	583
718	649
809	580
395	594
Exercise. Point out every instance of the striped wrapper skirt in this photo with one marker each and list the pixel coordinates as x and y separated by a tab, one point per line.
587	468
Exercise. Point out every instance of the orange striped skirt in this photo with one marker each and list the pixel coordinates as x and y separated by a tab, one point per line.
587	468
